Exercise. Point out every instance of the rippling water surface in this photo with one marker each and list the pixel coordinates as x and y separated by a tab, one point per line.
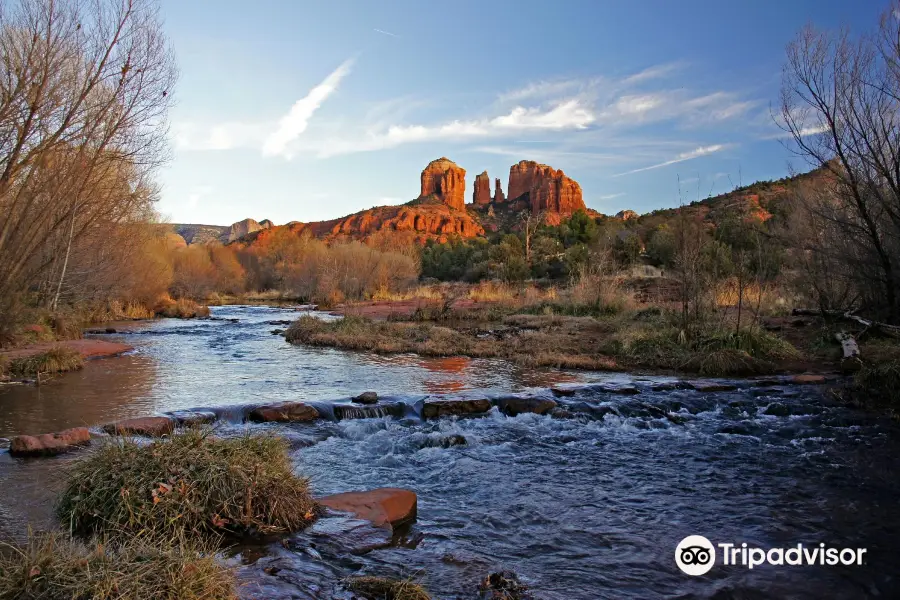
582	508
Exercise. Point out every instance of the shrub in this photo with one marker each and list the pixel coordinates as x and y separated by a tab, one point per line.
58	359
55	567
879	381
191	483
382	588
183	308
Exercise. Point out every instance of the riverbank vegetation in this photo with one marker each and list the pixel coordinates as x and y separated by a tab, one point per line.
192	484
53	566
381	588
58	359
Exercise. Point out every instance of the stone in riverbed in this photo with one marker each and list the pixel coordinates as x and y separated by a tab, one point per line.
709	386
513	405
434	408
504	585
145	426
383	507
366	398
284	412
193	418
49	444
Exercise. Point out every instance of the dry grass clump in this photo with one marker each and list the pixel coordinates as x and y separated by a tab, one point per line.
191	484
382	588
54	567
58	359
183	308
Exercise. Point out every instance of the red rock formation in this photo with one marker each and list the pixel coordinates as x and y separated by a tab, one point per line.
499	198
626	215
445	180
548	189
384	507
482	192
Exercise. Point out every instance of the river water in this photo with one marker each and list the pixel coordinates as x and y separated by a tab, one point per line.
581	508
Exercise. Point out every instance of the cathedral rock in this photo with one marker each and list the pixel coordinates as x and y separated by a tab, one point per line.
446	181
549	190
482	192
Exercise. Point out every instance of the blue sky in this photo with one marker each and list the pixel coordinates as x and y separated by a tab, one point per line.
313	110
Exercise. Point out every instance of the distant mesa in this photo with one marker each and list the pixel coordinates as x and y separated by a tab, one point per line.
625	215
245	227
446	181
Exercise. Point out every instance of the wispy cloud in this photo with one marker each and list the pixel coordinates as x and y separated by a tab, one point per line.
296	120
611	196
383	32
695	153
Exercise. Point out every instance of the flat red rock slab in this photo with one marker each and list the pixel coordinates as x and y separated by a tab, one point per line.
146	426
382	506
434	408
88	348
49	444
807	379
284	412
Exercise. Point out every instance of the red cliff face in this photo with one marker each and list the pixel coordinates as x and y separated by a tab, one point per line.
482	193
445	180
499	198
548	189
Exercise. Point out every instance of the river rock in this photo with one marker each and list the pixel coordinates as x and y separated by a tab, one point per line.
777	409
366	398
193	418
283	412
368	411
808	379
383	507
513	405
146	426
710	386
337	534
48	444
434	408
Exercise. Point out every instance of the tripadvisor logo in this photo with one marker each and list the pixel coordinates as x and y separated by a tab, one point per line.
696	555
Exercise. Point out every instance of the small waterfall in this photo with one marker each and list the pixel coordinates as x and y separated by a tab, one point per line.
371	411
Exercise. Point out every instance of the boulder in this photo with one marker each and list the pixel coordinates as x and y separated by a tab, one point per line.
434	408
284	412
383	507
499	198
504	585
48	444
548	190
481	195
366	398
513	405
777	409
446	181
146	426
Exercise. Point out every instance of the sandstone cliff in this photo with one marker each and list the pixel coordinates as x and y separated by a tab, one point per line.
242	228
548	189
499	198
481	195
446	181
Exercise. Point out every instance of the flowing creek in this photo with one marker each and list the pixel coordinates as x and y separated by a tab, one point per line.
583	508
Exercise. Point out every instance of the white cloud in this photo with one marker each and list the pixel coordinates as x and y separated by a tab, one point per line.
654	72
566	115
611	196
383	32
295	122
695	153
637	105
545	89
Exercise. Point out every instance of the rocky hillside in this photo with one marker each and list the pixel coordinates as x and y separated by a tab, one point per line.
201	234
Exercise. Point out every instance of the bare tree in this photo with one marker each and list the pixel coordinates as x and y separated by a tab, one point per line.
85	87
841	107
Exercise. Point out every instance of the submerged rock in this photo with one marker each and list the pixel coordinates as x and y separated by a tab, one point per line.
777	409
383	507
283	412
513	405
366	398
807	379
434	408
146	426
49	444
709	386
